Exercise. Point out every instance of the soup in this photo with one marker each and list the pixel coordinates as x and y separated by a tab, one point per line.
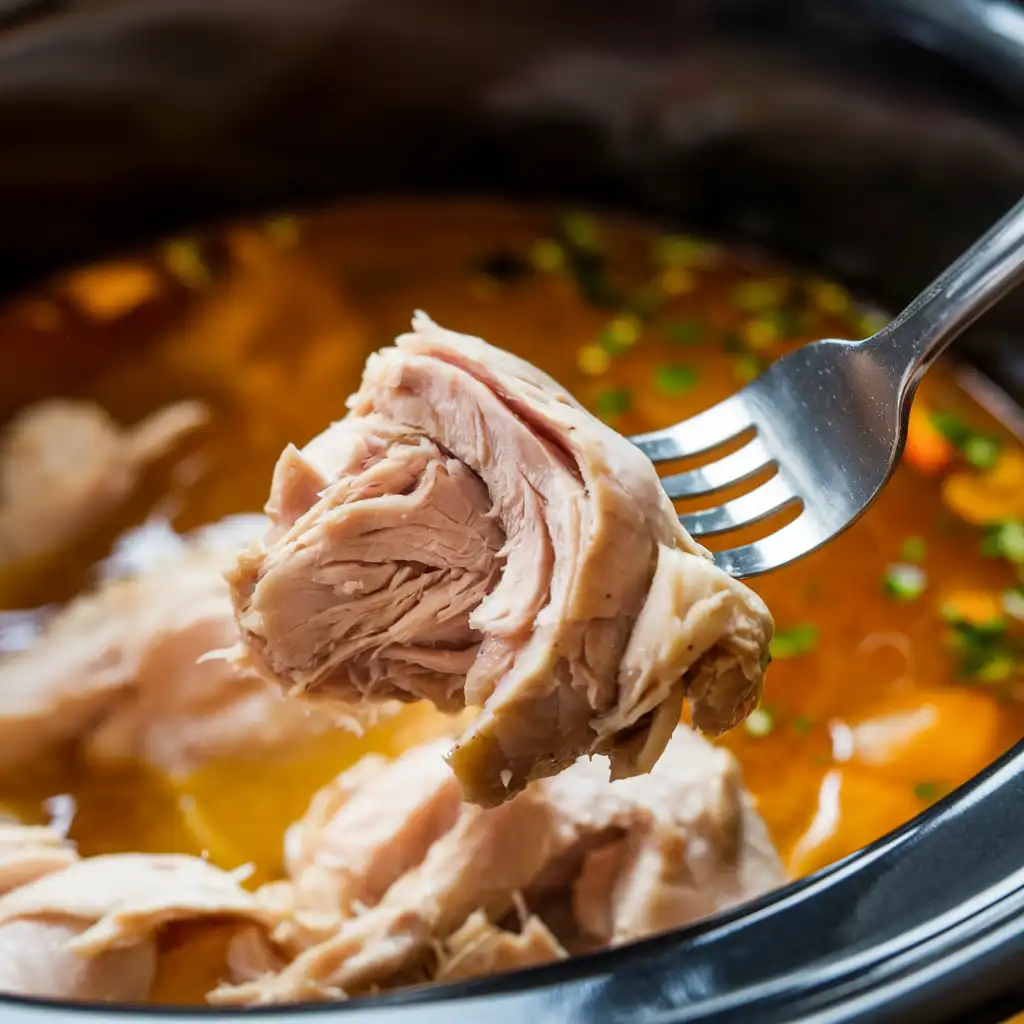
896	657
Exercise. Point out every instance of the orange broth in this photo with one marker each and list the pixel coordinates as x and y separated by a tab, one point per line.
897	671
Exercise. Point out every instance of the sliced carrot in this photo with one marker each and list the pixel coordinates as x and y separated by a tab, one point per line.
107	291
976	607
926	449
854	808
988	497
900	752
947	733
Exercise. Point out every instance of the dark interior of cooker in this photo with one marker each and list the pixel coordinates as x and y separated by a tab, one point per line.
808	126
805	125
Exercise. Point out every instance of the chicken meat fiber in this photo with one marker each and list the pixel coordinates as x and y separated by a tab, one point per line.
470	535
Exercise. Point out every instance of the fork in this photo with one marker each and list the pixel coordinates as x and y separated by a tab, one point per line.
831	417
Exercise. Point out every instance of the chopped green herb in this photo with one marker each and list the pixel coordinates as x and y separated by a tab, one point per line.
928	791
579	244
613	401
789	643
621	334
593	360
951	427
612	343
1013	603
183	257
914	549
1005	540
980	450
685	332
683	251
628	328
759	722
588	271
581	230
786	321
829	297
871	322
547	255
904	582
748	367
760	333
675	380
748	364
756	296
997	669
986	652
802	725
951	613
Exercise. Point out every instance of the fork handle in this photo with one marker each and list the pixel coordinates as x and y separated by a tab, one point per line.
989	269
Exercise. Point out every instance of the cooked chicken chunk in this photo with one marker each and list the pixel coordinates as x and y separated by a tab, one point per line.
678	845
480	947
28	852
88	930
36	959
636	856
370	826
66	464
127	670
469	534
125	897
34	956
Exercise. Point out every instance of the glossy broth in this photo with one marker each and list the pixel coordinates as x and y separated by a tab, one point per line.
896	670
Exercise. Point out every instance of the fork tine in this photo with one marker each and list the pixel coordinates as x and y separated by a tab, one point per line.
706	430
800	537
715	475
760	502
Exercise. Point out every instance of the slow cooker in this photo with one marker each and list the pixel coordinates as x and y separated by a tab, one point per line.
874	138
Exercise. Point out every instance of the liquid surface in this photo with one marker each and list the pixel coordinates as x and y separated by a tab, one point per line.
897	671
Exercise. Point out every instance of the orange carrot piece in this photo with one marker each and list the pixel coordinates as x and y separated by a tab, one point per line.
926	450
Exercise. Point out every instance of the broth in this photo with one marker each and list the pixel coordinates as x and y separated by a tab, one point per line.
896	661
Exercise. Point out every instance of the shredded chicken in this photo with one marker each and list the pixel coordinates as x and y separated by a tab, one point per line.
470	535
66	464
87	929
129	671
36	959
369	827
28	852
630	858
480	948
125	897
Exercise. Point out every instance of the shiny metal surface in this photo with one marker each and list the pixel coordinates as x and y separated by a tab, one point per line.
831	417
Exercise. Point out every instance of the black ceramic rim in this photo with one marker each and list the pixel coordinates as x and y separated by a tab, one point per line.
926	924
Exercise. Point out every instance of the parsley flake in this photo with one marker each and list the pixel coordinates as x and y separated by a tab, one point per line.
797	640
613	401
904	582
675	380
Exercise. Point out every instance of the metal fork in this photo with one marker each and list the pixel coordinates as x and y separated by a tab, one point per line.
830	417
